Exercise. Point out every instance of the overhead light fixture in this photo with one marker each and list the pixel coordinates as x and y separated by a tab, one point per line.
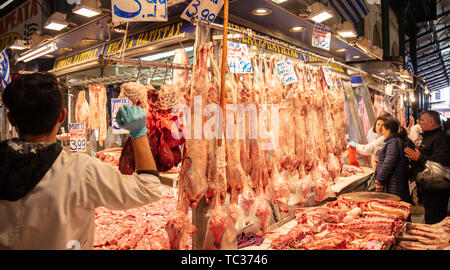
38	52
89	40
278	1
405	98
164	55
319	12
87	8
356	56
347	30
6	3
57	21
364	44
412	98
19	44
341	50
297	29
427	91
230	36
261	11
403	86
405	74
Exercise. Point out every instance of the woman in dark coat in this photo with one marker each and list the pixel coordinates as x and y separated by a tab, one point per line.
393	167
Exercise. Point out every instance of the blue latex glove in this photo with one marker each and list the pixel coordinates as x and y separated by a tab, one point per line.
352	144
133	119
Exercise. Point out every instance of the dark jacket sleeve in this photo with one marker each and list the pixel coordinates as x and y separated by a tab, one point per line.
389	162
439	153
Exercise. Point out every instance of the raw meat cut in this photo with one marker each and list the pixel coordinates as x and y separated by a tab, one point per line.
97	109
163	135
82	110
342	224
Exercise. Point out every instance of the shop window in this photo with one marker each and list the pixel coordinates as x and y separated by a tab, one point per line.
437	95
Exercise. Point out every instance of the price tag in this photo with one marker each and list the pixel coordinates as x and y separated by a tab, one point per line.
77	137
321	37
116	103
205	10
287	72
238	58
327	74
138	10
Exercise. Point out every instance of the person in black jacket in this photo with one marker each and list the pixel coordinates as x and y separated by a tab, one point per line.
393	167
434	147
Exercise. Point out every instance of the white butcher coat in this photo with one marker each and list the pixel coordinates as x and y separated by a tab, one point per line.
59	212
371	149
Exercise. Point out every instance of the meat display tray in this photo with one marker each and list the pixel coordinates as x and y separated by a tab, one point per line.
365	196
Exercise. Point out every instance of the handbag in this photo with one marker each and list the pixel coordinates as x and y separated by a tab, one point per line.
435	176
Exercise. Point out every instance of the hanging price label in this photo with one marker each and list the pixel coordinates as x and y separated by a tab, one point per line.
77	137
116	103
205	10
321	37
287	72
327	74
138	10
238	58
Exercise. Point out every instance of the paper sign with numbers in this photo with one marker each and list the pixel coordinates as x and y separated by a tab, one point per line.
238	58
321	37
287	72
205	10
138	10
116	103
77	137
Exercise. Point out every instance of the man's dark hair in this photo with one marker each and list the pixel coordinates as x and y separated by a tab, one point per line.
35	102
434	115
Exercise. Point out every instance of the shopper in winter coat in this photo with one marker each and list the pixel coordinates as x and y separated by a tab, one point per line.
373	147
434	147
393	167
47	196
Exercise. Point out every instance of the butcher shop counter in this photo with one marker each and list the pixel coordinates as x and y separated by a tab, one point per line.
355	182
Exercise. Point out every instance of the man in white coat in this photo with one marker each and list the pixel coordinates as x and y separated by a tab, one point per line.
47	196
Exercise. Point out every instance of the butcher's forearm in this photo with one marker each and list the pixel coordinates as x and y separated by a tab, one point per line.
143	154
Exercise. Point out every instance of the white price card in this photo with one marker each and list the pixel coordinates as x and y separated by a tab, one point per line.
138	10
238	58
327	74
116	103
205	10
321	37
77	137
287	72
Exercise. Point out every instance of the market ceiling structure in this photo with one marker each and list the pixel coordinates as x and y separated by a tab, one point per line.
433	44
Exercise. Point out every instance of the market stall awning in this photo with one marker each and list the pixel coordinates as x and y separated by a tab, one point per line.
280	20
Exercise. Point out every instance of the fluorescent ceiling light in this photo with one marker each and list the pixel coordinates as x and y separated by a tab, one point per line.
19	44
319	12
341	50
86	11
6	3
229	36
356	56
297	29
38	53
261	11
164	55
347	30
279	1
57	21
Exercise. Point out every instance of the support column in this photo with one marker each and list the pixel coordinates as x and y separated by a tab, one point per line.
413	50
401	32
385	28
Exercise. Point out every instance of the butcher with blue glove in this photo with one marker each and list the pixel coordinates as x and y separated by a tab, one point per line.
48	197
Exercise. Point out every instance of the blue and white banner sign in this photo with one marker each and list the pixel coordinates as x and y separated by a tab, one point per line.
139	10
4	69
